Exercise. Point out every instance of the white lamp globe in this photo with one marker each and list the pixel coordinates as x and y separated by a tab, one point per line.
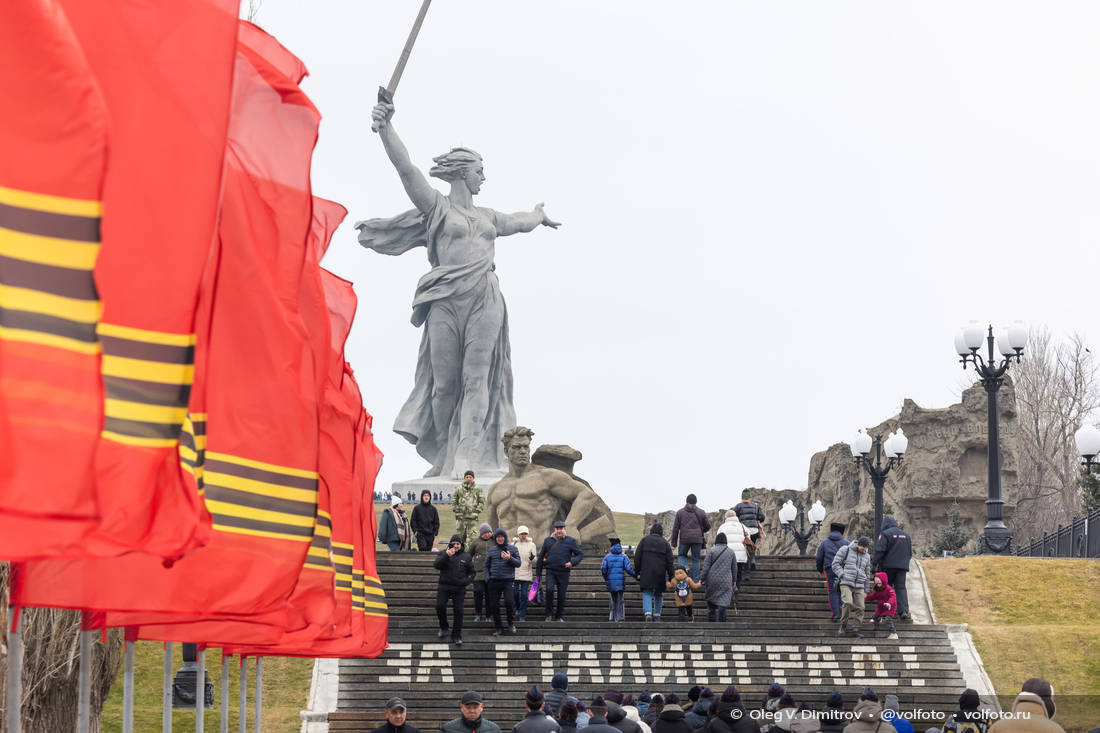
1088	441
861	444
973	334
787	512
1017	335
817	513
901	443
888	447
960	344
1004	343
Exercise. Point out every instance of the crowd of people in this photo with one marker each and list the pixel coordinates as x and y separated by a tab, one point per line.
506	574
703	710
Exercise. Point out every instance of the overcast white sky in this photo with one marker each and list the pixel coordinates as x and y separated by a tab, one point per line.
776	214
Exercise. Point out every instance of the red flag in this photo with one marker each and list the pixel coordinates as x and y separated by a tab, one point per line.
259	467
52	157
165	70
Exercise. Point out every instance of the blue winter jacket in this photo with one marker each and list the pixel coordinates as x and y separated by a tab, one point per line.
616	566
826	551
496	567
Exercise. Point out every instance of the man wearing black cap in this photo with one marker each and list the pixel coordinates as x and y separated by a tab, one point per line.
852	567
826	551
689	530
535	721
598	722
893	551
395	718
471	721
559	554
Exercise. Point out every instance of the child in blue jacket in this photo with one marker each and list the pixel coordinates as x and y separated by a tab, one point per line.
616	566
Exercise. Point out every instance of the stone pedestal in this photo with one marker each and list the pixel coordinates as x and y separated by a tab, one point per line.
441	487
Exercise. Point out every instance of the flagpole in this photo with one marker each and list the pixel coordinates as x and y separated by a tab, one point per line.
84	690
242	723
14	697
128	687
225	693
166	692
259	691
200	689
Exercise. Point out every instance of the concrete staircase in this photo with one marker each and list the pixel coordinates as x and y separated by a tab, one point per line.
778	630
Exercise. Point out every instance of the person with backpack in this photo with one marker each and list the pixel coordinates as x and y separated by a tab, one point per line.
968	718
893	551
682	586
653	561
614	569
717	576
852	567
751	515
826	551
689	530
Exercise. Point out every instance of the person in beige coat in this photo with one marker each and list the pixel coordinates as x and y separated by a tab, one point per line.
868	716
1032	710
525	573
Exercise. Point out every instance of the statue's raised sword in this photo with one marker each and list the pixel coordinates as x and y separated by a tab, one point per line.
385	94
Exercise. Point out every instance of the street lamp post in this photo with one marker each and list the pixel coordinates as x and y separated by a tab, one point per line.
996	538
893	448
801	536
1088	446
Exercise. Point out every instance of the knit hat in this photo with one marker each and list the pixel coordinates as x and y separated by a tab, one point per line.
891	703
523	529
485	527
706	692
657	700
868	694
720	538
864	541
1042	688
598	703
559	681
691	499
969	700
731	695
468	473
580	705
731	513
395	500
693	693
613	696
775	690
746	494
672	699
645	696
534	697
787	700
569	709
657	529
835	700
627	701
837	527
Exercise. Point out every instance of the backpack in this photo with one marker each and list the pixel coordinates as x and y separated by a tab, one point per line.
682	588
966	726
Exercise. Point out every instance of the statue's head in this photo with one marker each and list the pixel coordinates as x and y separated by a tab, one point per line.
517	445
461	164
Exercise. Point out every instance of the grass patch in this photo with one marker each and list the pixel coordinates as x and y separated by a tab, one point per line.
285	689
1030	617
628	525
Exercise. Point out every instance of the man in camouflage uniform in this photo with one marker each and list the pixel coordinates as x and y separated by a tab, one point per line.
468	502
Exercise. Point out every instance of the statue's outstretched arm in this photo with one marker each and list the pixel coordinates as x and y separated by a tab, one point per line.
416	185
523	221
583	498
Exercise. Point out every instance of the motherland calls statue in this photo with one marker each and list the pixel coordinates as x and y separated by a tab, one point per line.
537	496
461	401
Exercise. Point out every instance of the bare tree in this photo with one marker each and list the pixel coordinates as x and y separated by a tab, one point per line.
253	9
1057	387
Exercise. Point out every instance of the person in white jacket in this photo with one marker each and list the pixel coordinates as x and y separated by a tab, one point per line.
736	533
525	573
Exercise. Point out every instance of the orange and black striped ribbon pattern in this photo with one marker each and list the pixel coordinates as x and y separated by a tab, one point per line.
48	250
320	555
192	446
247	496
367	594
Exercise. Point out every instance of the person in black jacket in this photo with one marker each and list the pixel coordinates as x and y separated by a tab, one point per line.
396	711
729	715
559	554
425	522
893	551
536	721
671	720
616	716
751	515
653	563
833	719
456	571
501	561
598	722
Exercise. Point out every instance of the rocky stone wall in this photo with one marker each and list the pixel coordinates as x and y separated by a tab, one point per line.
945	463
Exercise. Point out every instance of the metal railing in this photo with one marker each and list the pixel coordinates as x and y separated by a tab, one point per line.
1081	538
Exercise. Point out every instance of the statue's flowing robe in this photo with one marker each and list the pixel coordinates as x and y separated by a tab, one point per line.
468	296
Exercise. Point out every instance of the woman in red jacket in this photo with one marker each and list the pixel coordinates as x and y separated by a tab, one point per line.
887	600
